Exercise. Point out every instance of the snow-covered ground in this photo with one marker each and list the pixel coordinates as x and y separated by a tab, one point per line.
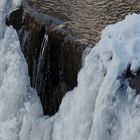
101	107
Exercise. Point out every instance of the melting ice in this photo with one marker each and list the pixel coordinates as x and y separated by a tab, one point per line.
102	107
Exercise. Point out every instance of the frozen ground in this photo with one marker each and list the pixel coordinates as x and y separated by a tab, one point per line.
101	107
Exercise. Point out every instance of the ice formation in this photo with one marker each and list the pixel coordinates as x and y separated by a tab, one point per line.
19	104
102	107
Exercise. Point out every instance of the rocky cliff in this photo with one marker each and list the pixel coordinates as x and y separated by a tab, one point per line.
70	26
57	72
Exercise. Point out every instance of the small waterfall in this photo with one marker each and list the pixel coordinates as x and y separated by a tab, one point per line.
41	59
99	108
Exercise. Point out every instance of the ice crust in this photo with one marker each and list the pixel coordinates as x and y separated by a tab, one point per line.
102	107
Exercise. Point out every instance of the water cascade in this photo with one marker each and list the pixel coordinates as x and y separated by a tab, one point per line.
102	107
41	59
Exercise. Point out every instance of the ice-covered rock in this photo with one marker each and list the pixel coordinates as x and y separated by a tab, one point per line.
102	107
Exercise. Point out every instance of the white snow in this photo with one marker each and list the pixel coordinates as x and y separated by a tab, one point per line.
102	107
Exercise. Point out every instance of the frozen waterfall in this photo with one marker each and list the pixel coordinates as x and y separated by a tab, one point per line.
19	104
102	107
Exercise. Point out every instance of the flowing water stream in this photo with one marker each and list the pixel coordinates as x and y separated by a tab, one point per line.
41	58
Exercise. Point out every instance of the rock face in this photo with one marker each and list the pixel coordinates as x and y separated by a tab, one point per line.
133	79
70	27
56	73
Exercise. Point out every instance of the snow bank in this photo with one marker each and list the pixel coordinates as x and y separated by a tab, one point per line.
101	107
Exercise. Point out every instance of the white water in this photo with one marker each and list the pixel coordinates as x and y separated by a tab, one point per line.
19	105
101	107
41	58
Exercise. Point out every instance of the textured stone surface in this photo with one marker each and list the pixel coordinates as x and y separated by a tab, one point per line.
133	79
62	55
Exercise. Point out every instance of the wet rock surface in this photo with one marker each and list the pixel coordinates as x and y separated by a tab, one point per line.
133	79
62	55
71	26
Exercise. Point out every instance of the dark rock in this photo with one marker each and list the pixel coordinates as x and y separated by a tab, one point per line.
16	22
61	60
87	18
133	79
